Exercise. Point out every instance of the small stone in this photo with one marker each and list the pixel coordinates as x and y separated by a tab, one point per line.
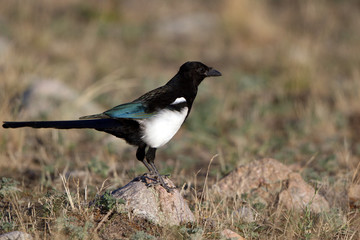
228	234
245	213
16	235
354	195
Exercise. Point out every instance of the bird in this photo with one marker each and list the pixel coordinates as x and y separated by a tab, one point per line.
148	122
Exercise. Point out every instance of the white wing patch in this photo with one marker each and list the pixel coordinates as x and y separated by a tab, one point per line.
178	100
159	129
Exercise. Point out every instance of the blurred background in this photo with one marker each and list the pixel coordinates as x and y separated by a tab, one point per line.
290	86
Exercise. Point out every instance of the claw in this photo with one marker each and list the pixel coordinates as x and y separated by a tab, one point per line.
155	180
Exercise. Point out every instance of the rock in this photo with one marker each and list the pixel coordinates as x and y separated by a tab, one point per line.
270	181
16	235
228	234
298	194
354	195
50	97
264	172
155	203
245	213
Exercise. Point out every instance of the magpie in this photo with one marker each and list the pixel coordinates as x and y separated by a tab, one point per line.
149	121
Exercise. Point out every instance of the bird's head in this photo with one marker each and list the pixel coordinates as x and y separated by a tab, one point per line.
197	71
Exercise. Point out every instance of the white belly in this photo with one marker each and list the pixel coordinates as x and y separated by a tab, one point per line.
159	129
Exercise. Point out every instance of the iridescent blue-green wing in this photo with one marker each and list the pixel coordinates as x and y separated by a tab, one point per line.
134	110
143	107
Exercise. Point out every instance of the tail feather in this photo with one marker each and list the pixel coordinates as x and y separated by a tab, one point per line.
95	116
92	123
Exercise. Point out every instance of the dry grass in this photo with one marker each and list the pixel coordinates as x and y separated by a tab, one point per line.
290	90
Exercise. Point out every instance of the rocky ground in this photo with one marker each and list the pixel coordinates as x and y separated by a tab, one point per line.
271	150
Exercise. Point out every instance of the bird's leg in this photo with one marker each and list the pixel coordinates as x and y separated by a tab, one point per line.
140	155
150	157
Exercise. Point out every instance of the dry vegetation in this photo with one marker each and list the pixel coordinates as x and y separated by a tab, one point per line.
290	90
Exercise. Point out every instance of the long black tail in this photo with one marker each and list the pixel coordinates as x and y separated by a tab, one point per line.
92	123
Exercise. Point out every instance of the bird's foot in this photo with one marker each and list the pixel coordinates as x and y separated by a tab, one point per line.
157	179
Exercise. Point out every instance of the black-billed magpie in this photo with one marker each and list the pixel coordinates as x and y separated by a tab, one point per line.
149	121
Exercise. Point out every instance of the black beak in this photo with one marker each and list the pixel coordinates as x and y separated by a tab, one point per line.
212	73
